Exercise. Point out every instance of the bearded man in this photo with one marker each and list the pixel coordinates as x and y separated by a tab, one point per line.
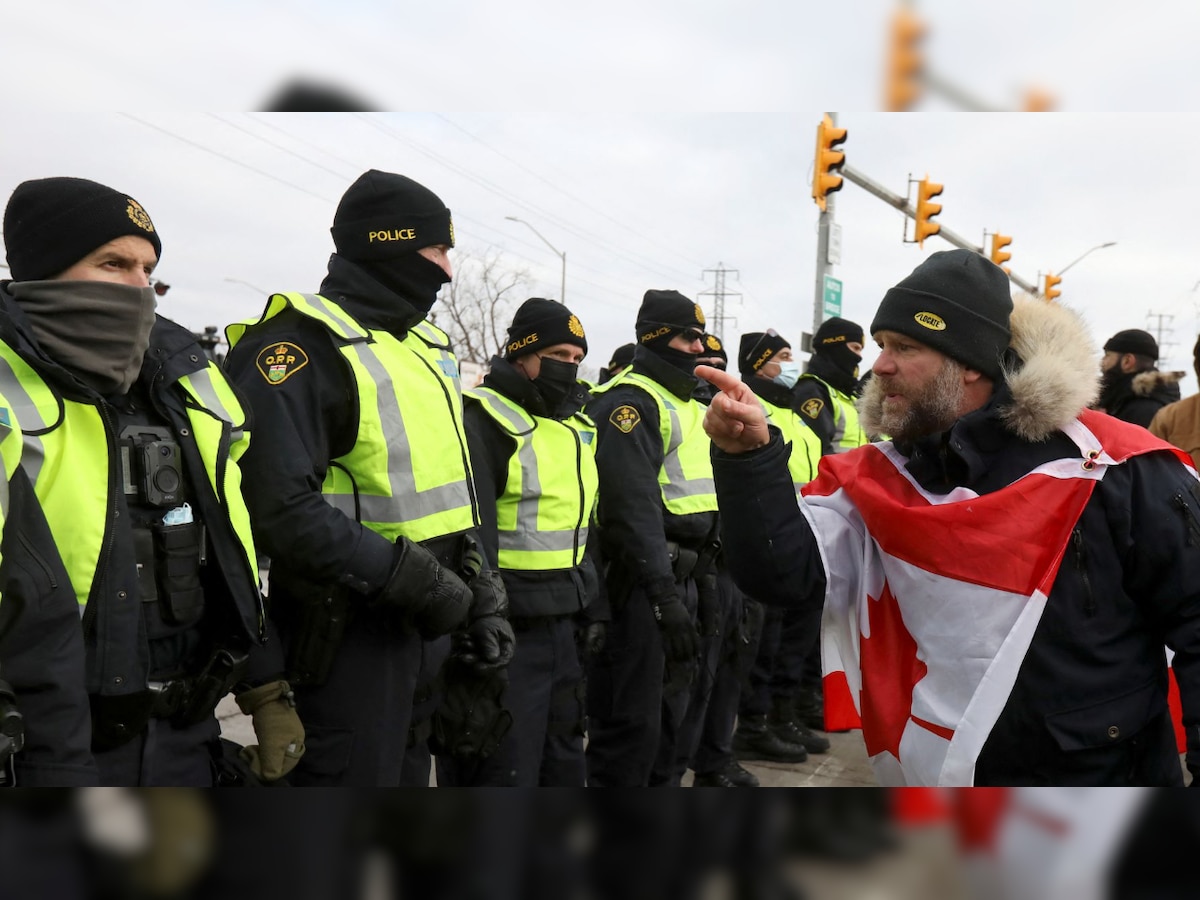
1001	577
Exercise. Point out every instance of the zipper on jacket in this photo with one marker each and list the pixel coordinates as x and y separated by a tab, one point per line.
582	494
1089	599
90	610
1189	518
37	558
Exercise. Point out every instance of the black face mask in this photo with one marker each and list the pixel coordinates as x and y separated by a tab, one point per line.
412	276
684	362
555	382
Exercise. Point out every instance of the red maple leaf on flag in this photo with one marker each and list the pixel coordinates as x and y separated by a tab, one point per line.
890	670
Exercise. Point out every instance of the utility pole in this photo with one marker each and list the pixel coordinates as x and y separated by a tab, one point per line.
718	293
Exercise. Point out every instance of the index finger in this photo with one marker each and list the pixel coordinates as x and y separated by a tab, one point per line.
722	381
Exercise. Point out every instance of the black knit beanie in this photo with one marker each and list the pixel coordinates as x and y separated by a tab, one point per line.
1133	340
383	215
956	302
52	223
664	314
622	356
757	348
832	342
542	323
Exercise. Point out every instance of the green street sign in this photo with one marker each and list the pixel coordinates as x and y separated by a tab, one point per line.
832	295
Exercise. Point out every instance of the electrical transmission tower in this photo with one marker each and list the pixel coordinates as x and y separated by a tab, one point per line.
1160	331
718	293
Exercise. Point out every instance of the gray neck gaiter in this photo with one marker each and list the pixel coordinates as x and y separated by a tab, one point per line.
97	330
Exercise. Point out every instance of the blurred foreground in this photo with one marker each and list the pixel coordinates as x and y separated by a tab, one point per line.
709	845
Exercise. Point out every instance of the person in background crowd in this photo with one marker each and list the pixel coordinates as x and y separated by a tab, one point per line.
361	493
768	725
1131	387
533	456
137	436
658	526
1047	670
621	359
1179	423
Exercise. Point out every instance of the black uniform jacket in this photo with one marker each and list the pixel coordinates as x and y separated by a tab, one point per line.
555	592
304	422
634	524
1089	705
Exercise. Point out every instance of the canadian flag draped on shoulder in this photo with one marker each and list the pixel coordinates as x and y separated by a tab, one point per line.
932	600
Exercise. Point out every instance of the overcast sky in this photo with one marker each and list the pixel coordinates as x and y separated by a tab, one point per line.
653	201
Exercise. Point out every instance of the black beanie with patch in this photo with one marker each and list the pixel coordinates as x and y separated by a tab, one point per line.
383	215
52	223
542	323
713	348
956	302
832	341
757	348
664	314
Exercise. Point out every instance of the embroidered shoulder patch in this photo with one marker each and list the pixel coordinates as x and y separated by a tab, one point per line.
812	407
625	418
279	362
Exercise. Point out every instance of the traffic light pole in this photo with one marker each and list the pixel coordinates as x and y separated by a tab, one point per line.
824	226
902	204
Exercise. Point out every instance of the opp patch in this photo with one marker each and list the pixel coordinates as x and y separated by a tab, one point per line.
279	362
812	407
625	418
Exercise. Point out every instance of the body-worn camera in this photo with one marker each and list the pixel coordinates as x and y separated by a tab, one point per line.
152	465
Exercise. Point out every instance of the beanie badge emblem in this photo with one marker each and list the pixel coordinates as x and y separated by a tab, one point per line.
575	326
138	216
929	320
279	362
812	407
712	343
699	314
625	418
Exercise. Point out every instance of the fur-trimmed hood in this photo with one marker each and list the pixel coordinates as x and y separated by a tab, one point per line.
1058	375
1146	383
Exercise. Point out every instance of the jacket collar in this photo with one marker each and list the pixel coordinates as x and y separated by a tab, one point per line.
681	384
775	394
373	305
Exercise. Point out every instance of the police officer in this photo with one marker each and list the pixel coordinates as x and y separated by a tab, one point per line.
136	434
705	743
825	398
360	489
767	729
825	392
533	454
621	359
658	518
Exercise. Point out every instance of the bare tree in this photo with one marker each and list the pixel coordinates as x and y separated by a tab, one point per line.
478	304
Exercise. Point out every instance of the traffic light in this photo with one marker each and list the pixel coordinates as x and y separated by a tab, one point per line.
926	190
902	68
999	242
1049	291
828	160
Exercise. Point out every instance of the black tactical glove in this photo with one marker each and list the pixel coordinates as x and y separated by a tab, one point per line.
471	719
491	640
590	640
681	643
428	597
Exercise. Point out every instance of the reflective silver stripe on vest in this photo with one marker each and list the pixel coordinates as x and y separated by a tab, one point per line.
201	383
350	330
29	417
416	503
527	535
678	486
839	428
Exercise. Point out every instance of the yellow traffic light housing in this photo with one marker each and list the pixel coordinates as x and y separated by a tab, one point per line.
828	161
904	64
1049	291
999	242
926	190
